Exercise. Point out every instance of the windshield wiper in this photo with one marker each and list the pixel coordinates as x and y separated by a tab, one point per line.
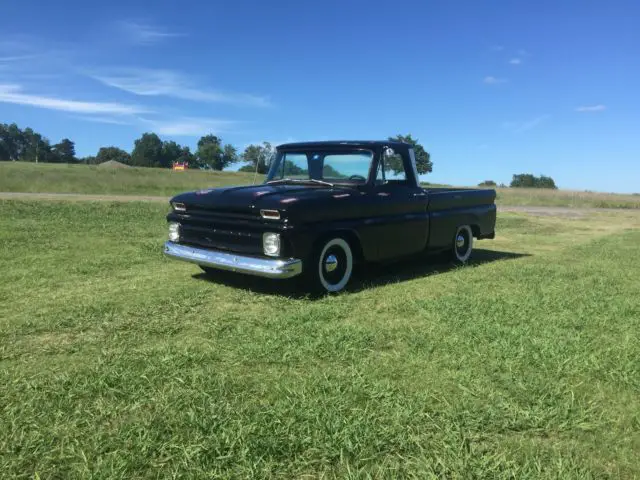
281	180
319	182
296	180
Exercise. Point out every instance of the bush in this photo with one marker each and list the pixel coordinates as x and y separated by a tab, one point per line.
527	180
487	183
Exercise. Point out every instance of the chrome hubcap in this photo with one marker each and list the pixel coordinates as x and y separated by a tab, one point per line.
331	263
459	241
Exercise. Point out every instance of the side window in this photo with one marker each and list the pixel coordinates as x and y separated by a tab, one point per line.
391	168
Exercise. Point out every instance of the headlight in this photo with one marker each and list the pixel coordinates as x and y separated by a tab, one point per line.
271	244
174	232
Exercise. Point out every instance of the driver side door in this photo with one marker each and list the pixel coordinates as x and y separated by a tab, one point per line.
401	214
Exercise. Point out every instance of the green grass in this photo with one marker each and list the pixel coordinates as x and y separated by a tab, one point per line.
82	179
118	363
565	198
92	179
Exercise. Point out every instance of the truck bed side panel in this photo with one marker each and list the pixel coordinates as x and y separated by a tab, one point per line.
452	208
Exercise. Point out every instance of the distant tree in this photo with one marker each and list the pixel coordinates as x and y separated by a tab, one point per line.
35	148
423	159
64	152
12	142
523	180
527	180
487	183
290	168
394	163
186	156
106	154
546	182
247	168
171	152
6	143
329	172
257	155
30	146
212	154
209	150
147	151
229	155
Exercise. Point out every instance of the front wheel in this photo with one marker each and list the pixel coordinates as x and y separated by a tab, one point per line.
462	244
330	267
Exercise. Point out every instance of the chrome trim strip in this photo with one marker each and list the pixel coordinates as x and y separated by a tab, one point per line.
261	267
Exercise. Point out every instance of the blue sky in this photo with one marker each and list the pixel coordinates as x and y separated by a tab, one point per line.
490	88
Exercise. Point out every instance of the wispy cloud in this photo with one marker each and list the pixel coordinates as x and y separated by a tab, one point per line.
109	120
16	58
17	45
494	80
519	127
174	126
11	93
515	61
497	48
189	126
149	82
591	108
144	33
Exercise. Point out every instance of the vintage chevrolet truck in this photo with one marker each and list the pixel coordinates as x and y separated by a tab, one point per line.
324	207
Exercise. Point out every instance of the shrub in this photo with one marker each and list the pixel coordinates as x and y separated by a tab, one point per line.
527	180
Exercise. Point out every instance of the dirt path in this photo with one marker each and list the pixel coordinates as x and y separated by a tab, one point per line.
566	212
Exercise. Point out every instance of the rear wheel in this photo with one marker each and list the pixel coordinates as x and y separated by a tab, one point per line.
462	244
330	266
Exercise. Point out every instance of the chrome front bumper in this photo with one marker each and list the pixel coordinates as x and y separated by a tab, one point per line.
262	267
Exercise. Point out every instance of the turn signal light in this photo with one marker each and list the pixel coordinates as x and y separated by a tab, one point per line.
270	214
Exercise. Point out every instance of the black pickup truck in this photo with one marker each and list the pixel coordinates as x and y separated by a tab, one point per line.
324	207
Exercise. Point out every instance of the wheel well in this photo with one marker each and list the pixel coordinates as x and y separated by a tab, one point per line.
352	239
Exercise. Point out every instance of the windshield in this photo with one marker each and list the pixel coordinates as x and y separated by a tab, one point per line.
333	167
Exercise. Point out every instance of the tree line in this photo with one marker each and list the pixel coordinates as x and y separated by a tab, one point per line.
29	146
211	154
524	180
151	151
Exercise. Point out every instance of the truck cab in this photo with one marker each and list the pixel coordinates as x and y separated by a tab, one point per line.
323	207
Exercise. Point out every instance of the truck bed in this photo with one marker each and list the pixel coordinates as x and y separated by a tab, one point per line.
444	198
450	207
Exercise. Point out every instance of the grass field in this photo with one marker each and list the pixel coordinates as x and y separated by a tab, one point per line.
118	363
51	178
91	179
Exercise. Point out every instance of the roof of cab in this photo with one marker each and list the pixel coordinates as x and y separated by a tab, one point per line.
344	143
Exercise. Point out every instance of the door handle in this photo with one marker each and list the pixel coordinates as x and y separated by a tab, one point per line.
423	194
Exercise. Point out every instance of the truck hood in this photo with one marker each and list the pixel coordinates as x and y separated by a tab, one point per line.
254	197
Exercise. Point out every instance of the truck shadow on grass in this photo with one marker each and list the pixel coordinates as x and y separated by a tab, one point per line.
367	276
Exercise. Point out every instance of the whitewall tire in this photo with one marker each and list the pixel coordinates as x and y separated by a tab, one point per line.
462	244
331	266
